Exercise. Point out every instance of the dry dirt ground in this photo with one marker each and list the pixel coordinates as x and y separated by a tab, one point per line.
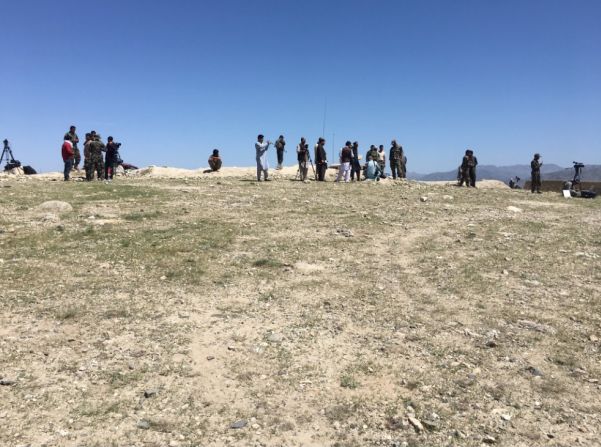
215	311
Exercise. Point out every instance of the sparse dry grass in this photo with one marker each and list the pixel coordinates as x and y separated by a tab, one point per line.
243	301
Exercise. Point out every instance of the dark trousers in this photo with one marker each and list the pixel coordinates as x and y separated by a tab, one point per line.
395	166
472	175
321	171
68	167
355	169
280	153
536	182
109	168
77	156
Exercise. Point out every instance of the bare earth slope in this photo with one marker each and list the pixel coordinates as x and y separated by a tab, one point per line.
157	311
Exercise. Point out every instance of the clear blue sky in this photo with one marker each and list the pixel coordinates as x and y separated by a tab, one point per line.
174	79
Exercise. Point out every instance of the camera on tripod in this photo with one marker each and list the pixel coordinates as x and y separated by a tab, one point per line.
578	165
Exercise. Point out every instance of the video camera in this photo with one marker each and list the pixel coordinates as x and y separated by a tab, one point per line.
578	165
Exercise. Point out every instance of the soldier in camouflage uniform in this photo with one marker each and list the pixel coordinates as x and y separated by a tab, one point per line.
97	147
73	138
396	157
535	166
87	158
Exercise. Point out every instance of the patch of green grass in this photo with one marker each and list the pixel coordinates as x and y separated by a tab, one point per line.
268	263
348	381
139	216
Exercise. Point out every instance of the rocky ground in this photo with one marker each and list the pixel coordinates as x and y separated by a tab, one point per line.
215	311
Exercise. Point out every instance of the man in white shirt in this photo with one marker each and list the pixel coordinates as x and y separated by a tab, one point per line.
261	147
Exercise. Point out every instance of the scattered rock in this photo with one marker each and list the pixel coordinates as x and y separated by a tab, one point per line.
491	344
151	392
231	348
445	197
423	199
431	425
593	338
514	209
238	424
143	424
275	338
210	357
344	232
538	327
534	371
55	206
416	424
489	440
7	382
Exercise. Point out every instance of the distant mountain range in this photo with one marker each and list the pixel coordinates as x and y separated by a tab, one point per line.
504	173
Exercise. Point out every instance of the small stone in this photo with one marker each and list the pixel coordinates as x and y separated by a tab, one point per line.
143	424
210	357
416	424
514	209
506	417
238	424
491	344
423	199
231	348
150	392
7	382
275	338
431	425
344	232
593	338
505	272
459	434
534	371
489	439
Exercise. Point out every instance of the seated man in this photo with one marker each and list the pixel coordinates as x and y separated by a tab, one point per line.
215	161
373	171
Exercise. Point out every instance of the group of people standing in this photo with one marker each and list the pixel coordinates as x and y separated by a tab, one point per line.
349	158
93	150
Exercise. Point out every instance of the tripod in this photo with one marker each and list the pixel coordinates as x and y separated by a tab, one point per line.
7	154
577	181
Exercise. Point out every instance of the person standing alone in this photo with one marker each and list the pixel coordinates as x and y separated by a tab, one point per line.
535	166
261	147
396	159
280	145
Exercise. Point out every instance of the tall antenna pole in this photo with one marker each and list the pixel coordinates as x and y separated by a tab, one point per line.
325	111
